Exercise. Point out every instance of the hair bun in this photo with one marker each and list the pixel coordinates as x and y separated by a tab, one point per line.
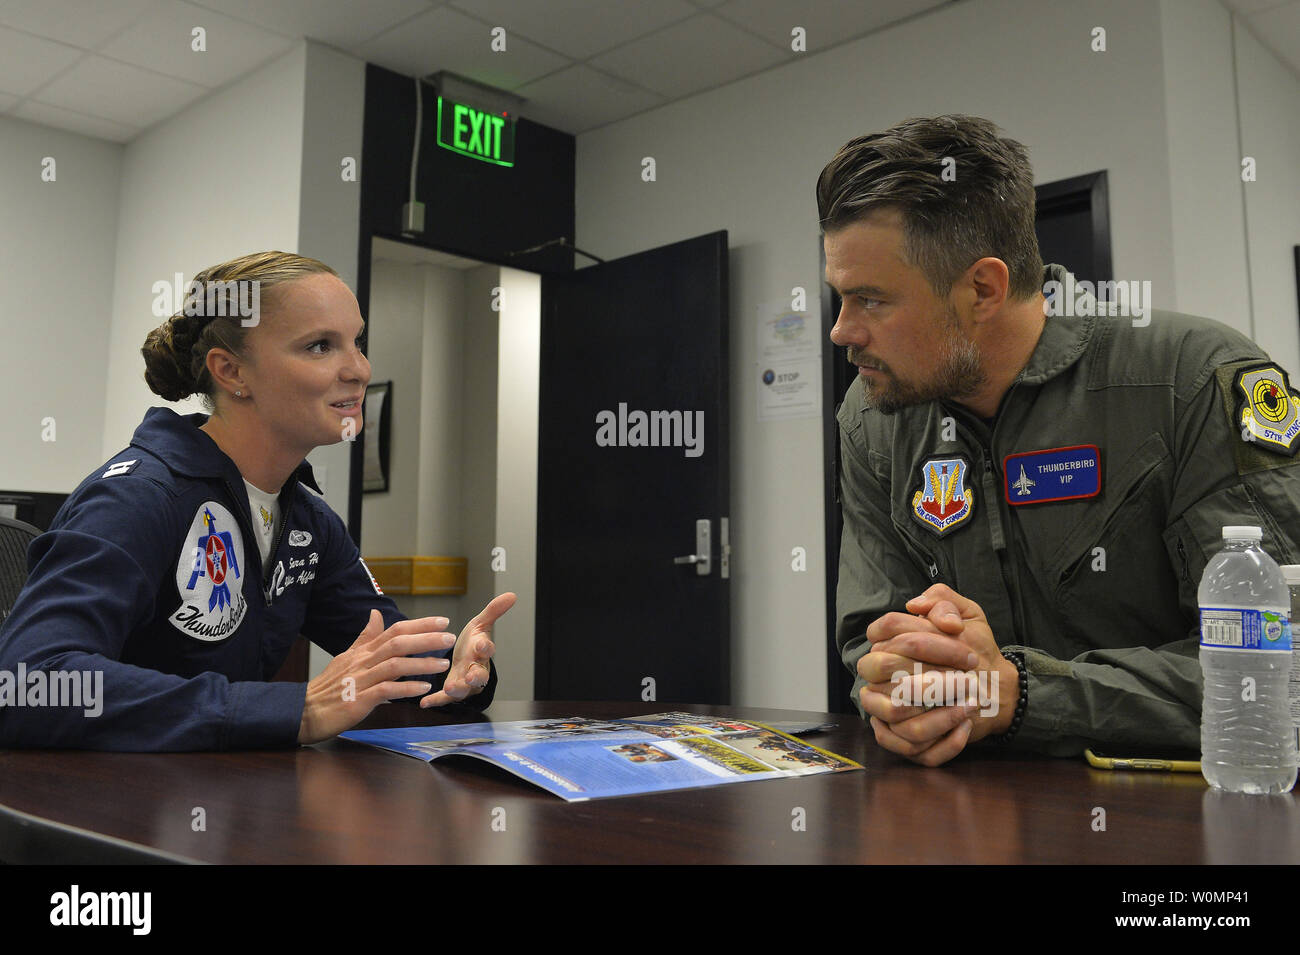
168	358
184	333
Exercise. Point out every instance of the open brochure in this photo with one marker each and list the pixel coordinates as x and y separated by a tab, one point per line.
578	758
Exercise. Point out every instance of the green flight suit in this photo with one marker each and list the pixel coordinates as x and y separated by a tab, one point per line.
1099	593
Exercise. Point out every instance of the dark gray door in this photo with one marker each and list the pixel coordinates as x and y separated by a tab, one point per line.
633	454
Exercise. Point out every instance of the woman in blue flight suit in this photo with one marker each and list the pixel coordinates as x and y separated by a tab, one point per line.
174	579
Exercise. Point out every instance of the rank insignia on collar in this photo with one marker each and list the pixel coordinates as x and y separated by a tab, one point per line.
1269	414
944	502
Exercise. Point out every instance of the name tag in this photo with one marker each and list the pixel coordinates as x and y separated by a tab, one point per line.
1054	474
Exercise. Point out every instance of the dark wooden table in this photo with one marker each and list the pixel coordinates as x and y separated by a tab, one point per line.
341	802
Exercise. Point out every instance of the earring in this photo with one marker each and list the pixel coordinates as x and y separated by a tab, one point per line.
239	394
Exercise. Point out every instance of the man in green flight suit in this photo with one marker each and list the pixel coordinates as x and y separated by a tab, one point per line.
1034	477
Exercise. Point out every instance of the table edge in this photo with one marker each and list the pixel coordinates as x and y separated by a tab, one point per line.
23	835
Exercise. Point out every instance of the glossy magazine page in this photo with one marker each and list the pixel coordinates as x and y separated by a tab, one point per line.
577	758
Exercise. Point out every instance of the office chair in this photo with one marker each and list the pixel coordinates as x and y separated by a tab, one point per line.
14	538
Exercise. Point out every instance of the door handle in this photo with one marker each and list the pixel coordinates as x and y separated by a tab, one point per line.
702	558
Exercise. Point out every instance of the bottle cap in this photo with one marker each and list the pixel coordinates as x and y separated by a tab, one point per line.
1237	532
1292	574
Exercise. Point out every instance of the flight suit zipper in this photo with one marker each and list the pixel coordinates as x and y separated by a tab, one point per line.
1010	571
999	530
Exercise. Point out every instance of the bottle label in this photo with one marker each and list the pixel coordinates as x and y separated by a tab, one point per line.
1234	629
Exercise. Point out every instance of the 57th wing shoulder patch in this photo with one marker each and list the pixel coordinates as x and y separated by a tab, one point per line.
1263	409
1269	413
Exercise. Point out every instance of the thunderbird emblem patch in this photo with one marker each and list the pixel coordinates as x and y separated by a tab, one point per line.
1269	414
944	501
208	576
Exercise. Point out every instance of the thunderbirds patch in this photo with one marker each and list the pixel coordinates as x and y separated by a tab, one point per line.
944	501
209	578
1269	413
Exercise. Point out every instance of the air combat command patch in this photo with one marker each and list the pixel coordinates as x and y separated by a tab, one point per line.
1268	413
944	502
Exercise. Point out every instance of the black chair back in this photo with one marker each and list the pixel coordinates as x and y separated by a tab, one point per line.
14	538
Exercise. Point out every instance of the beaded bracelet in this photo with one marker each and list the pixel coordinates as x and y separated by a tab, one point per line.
1022	703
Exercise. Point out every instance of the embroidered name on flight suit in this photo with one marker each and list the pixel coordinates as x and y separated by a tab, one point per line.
1053	474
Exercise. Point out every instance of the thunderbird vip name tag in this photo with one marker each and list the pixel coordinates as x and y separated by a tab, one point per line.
1269	414
1053	474
944	502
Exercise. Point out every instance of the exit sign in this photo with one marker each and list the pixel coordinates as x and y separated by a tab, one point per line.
473	132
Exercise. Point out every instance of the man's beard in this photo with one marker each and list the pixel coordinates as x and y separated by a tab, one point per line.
960	374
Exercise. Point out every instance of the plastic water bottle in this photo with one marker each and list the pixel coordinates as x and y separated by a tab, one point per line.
1247	744
1292	574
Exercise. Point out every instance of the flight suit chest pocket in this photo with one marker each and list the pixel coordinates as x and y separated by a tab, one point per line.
1118	535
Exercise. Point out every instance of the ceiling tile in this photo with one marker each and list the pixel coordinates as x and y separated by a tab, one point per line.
827	23
685	58
119	92
80	23
162	42
446	39
341	23
578	28
580	98
76	122
27	62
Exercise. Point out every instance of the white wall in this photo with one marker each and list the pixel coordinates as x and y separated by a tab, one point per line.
517	384
442	409
745	157
1269	97
56	293
417	313
329	207
395	331
187	204
463	477
1209	225
478	472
